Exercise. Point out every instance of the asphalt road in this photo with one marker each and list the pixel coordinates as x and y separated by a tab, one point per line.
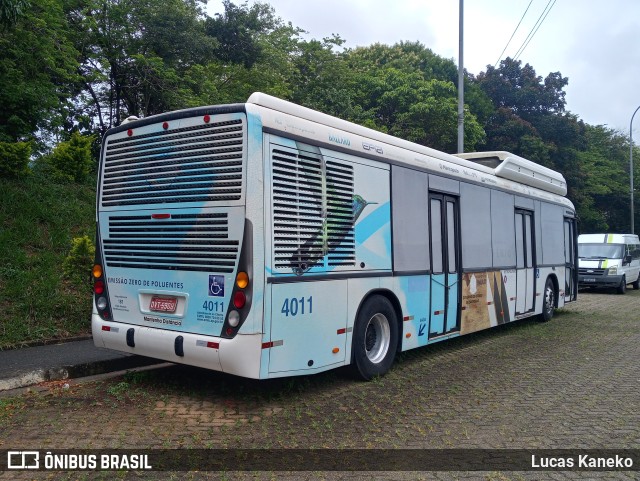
32	365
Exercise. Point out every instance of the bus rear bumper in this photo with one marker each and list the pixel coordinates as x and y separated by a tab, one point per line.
239	356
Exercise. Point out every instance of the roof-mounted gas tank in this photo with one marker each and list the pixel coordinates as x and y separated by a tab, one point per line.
512	167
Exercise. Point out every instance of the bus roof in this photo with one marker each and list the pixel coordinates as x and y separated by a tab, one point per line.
495	164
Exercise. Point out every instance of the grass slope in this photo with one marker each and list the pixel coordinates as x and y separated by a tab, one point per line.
38	219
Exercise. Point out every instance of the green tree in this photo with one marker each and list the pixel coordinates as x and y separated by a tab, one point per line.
267	66
323	80
37	67
135	53
404	90
530	120
605	163
77	264
143	57
14	159
10	10
237	31
411	98
522	90
418	110
72	160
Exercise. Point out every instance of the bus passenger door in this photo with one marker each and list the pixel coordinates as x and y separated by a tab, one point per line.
445	271
570	271
525	262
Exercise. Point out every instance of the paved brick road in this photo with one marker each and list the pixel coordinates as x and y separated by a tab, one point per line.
570	383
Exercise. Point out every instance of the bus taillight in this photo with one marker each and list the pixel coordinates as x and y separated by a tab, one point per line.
242	280
100	295
239	299
234	318
242	291
97	271
101	303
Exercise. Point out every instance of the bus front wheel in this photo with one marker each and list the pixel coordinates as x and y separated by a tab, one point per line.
375	338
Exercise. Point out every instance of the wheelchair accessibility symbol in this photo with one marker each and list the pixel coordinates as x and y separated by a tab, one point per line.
216	286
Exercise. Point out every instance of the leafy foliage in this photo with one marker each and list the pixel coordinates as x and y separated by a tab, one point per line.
38	219
605	167
14	159
522	90
10	10
38	66
77	264
72	160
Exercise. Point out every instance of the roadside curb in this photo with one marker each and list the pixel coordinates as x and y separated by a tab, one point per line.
45	342
74	371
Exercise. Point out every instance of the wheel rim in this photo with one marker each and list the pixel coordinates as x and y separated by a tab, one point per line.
548	297
377	338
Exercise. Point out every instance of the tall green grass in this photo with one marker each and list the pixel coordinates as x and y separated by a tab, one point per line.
38	219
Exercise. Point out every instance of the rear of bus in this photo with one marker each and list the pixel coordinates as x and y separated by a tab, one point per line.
173	277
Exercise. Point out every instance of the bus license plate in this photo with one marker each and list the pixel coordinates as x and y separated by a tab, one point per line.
163	304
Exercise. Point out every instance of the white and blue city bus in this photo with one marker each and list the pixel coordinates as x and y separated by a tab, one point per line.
266	239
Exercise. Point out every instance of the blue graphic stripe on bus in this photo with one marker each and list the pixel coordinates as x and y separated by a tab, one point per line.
452	307
373	222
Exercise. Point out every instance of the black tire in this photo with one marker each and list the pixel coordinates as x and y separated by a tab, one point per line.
548	301
622	288
375	338
636	284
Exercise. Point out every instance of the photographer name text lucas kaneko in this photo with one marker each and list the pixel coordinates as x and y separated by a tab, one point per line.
581	461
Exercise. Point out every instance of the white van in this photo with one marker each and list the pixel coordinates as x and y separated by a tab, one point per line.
609	260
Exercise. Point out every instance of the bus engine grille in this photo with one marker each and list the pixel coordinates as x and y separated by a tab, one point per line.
185	242
313	223
201	163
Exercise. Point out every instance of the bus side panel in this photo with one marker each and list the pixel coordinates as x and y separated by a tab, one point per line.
488	299
543	273
413	294
255	215
372	218
308	326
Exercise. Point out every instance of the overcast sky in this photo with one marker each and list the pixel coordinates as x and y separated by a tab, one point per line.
595	43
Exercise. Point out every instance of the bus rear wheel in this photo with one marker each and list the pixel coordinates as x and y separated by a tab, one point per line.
375	338
548	301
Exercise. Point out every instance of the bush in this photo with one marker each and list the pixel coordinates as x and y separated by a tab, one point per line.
77	265
14	159
72	160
